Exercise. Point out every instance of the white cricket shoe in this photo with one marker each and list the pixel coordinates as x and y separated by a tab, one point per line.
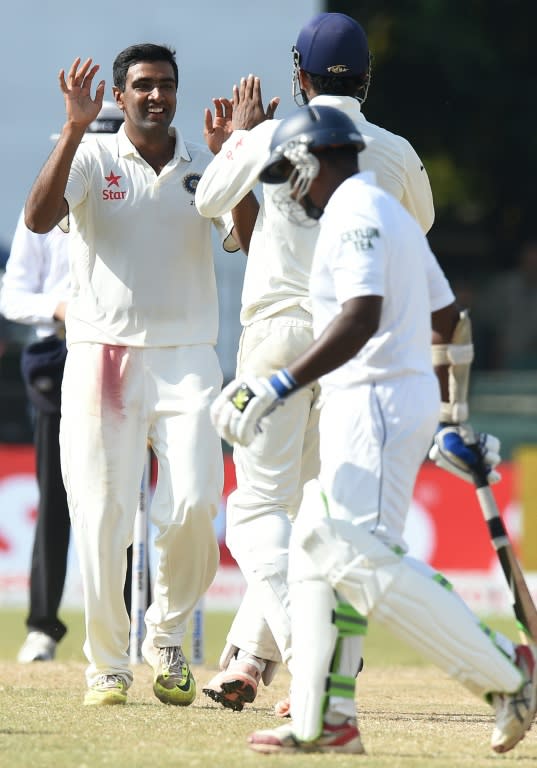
107	690
515	711
37	647
343	738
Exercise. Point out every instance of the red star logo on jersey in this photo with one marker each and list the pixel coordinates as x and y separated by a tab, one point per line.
113	181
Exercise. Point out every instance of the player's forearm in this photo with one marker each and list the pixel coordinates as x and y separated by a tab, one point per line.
26	307
244	218
452	352
342	339
45	205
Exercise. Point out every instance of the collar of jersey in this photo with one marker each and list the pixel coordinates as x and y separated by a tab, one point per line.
346	104
126	147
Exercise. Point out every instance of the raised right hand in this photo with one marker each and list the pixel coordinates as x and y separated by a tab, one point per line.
80	107
218	128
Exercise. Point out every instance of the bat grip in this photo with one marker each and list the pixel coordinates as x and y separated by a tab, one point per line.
479	470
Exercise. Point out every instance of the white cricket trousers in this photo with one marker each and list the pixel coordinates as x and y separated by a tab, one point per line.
114	400
271	473
374	437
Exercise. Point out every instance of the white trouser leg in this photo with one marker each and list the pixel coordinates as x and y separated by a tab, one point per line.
189	486
373	442
271	473
260	547
249	630
103	448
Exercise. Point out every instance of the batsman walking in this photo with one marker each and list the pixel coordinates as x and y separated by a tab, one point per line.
141	365
376	289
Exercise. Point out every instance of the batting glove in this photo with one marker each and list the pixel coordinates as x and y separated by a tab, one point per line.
242	404
459	450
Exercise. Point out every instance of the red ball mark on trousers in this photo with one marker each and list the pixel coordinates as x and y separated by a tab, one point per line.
112	371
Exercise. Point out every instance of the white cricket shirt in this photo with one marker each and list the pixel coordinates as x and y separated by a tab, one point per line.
36	279
141	256
279	258
369	245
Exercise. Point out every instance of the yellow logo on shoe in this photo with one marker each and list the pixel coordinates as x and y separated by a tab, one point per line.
170	690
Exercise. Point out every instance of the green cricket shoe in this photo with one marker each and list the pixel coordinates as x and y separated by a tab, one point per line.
173	683
107	690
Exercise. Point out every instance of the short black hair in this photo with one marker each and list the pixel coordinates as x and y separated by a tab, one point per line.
141	52
339	86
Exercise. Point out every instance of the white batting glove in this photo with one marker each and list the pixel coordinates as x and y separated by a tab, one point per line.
240	406
459	450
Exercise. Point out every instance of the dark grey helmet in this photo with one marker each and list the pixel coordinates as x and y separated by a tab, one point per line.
293	156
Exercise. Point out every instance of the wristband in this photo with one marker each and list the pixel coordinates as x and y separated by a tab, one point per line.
283	383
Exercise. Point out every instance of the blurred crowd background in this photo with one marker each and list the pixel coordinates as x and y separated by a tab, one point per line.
458	80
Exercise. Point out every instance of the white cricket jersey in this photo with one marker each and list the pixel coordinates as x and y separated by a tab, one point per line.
369	245
36	278
141	256
279	258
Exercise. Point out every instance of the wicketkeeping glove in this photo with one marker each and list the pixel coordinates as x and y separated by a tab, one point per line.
241	405
459	450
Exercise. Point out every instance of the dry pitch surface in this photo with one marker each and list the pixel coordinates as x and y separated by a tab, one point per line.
410	717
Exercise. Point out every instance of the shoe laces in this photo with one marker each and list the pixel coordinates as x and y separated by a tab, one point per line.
109	681
172	660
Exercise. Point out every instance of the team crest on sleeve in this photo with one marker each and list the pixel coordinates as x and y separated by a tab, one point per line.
190	182
362	237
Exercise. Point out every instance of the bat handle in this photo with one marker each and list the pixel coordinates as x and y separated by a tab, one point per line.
480	474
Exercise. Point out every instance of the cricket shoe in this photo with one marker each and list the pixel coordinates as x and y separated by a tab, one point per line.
107	690
515	711
343	738
38	646
173	682
237	685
